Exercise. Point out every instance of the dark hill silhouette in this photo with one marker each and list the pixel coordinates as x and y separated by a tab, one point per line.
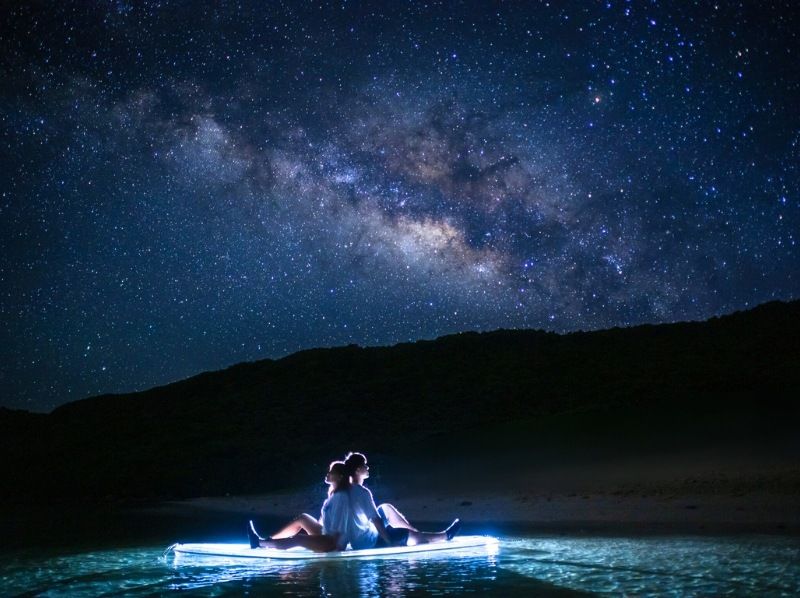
263	425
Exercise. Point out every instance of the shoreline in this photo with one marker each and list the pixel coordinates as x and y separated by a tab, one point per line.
679	494
83	526
774	513
692	494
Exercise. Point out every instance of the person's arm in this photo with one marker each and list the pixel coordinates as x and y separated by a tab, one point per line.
371	511
378	523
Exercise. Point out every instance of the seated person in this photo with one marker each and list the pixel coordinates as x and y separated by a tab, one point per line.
325	535
374	527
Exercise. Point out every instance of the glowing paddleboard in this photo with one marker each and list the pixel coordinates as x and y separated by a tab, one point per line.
244	551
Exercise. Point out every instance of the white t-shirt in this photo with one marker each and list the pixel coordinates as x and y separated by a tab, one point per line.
363	533
336	516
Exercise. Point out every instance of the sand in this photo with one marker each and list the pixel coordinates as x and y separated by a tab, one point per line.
668	501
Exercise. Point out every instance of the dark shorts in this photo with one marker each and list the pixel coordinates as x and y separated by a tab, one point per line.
398	536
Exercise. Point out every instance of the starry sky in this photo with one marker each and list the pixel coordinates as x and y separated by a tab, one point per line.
189	185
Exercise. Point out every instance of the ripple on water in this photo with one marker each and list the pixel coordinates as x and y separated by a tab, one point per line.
665	565
680	565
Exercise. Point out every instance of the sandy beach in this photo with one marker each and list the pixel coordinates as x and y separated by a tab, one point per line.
749	500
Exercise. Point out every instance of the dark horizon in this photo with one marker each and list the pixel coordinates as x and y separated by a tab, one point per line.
187	187
516	398
770	304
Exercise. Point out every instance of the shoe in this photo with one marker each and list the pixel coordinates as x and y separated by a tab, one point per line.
252	534
454	528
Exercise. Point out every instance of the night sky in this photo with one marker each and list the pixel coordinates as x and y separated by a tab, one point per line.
185	187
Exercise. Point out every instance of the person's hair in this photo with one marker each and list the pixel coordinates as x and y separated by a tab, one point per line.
340	468
353	461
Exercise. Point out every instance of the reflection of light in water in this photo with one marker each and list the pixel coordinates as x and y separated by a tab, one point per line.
491	556
659	565
365	576
369	576
492	550
743	566
350	578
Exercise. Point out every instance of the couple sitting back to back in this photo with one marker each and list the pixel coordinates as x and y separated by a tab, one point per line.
349	516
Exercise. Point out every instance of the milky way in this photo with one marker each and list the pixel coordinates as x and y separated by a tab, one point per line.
188	186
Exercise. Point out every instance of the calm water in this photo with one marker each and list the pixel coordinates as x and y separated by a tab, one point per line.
713	566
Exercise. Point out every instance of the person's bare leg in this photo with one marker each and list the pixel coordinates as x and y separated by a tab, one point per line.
425	537
304	522
395	518
315	543
429	538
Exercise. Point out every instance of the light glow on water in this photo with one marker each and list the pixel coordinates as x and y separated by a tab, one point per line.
679	565
752	565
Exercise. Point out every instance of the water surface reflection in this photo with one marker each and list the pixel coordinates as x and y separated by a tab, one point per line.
751	565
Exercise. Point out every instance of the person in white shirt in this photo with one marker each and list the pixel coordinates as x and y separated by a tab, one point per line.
328	533
382	526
